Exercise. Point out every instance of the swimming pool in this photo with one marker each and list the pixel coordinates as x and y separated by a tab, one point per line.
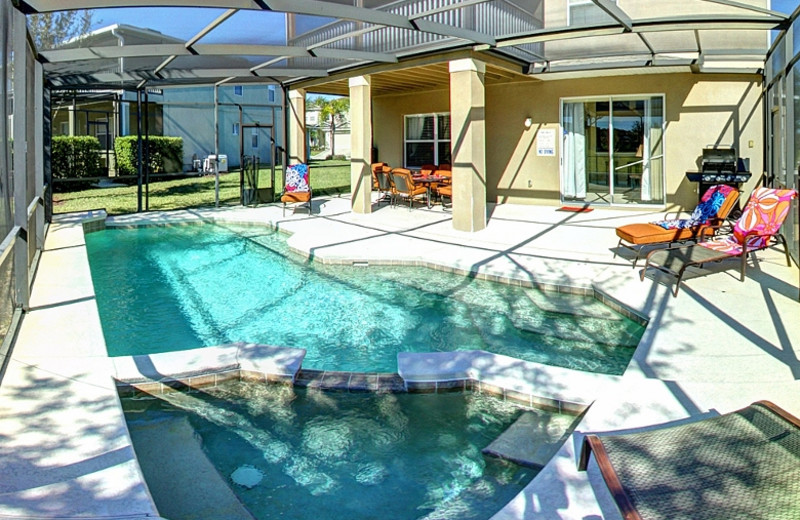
312	455
171	288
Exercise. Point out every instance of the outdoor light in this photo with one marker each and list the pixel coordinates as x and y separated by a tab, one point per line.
528	122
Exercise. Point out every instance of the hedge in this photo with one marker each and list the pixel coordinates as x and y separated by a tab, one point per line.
75	157
166	154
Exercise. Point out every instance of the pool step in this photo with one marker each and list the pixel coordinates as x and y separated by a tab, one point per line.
532	439
572	304
585	332
183	482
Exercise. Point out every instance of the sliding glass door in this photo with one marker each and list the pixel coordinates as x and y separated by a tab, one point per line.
612	150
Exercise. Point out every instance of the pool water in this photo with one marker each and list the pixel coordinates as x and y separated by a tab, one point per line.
336	455
172	288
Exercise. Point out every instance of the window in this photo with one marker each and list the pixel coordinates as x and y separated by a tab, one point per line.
427	139
254	138
238	90
65	128
235	128
585	12
271	93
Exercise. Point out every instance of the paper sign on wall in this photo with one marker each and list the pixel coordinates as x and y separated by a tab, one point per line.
546	142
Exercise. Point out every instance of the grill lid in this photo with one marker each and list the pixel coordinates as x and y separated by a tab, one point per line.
719	160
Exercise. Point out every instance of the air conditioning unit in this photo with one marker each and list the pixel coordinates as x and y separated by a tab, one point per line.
210	161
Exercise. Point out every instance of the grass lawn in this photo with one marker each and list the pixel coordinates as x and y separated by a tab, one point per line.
327	178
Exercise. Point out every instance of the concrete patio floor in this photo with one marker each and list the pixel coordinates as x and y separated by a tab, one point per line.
720	345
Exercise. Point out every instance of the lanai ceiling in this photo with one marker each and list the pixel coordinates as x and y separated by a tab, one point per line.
404	44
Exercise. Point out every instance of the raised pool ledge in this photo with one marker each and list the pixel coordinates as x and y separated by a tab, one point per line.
534	384
197	368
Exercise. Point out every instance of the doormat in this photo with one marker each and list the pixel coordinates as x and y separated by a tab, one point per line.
576	209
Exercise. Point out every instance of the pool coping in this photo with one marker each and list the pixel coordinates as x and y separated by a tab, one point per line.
476	370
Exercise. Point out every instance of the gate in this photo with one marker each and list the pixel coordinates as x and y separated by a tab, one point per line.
258	155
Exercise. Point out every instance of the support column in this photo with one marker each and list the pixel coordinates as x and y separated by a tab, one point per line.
297	127
21	160
468	144
361	144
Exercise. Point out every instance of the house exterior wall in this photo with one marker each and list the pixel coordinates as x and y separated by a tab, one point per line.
189	113
700	111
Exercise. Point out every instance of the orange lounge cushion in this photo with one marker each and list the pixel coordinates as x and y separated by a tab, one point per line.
640	234
447	191
296	196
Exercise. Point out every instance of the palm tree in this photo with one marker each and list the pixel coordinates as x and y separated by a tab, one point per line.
331	109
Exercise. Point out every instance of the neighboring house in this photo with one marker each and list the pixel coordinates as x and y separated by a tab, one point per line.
318	133
250	117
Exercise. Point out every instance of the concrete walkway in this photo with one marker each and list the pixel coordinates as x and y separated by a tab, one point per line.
720	345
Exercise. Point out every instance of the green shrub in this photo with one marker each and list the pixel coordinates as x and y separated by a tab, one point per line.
75	157
166	154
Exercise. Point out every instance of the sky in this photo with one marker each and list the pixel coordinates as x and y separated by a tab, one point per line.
246	26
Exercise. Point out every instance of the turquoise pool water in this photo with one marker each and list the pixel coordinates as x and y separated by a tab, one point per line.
337	455
171	288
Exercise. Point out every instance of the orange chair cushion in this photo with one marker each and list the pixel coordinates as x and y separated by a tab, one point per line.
447	191
640	234
418	190
296	196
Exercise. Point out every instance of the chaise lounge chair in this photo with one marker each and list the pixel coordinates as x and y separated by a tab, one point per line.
298	187
714	207
744	465
759	224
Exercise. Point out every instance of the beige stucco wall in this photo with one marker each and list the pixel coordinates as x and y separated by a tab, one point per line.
387	120
701	110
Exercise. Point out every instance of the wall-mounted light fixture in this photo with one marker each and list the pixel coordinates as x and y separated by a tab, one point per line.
528	122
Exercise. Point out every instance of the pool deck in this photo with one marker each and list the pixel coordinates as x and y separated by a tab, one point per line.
719	346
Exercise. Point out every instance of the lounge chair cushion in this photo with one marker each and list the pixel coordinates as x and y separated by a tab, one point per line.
701	214
641	234
297	178
764	214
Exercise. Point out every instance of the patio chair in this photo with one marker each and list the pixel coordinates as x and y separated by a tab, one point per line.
298	187
759	224
376	167
382	181
714	207
446	192
427	169
740	465
404	186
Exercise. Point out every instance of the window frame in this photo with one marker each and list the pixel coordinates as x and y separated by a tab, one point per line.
435	142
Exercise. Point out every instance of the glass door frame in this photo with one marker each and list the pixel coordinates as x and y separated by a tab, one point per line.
612	168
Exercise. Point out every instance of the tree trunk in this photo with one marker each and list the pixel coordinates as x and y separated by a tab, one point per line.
333	138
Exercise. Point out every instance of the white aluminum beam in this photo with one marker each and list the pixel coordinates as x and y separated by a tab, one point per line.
612	10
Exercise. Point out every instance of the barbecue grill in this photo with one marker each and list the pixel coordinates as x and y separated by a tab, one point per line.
720	166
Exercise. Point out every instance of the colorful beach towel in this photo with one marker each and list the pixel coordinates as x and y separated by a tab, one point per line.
297	178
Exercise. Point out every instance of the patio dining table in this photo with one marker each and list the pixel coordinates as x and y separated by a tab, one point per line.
427	181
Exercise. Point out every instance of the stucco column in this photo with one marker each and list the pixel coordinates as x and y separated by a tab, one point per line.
468	144
297	127
361	144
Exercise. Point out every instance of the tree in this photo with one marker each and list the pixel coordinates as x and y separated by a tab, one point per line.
331	110
51	29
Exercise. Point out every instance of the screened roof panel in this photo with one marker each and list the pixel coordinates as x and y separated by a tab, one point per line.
623	44
293	40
